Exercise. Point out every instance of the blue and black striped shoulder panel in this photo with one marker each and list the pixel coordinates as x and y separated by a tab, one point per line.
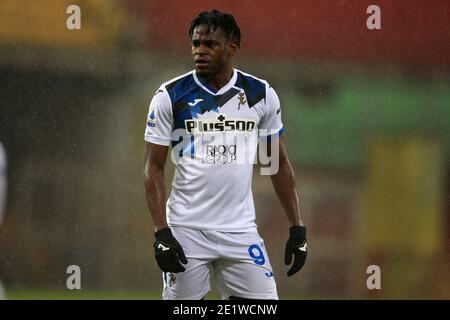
254	89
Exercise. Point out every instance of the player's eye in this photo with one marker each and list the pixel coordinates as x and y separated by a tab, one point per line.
195	43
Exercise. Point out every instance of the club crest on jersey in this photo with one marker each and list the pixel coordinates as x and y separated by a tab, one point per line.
242	100
219	124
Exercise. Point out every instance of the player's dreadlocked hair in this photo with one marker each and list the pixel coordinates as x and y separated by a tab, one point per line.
215	19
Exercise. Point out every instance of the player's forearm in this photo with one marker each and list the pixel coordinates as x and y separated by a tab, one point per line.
156	195
284	184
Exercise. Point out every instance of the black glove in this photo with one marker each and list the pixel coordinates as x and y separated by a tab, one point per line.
168	252
296	245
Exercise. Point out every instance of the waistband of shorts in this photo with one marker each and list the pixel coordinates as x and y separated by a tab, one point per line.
243	229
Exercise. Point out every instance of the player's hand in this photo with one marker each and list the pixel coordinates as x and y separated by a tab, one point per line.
168	252
296	246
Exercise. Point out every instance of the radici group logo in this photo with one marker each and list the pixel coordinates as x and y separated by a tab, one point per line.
221	154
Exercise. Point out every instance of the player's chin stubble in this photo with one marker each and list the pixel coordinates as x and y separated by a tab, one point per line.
204	73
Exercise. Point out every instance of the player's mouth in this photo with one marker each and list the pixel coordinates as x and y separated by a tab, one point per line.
201	63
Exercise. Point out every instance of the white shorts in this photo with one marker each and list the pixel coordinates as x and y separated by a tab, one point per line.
238	261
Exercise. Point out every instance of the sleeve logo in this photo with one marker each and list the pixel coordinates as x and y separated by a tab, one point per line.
151	121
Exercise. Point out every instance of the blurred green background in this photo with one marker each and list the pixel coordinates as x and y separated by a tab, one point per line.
367	114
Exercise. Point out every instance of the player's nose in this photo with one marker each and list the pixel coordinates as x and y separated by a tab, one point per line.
200	50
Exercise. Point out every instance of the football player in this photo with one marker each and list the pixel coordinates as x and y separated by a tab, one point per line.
213	117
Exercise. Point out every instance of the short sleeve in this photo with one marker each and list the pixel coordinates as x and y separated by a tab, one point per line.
159	124
271	121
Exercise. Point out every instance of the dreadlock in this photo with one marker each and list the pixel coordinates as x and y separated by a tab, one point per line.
216	19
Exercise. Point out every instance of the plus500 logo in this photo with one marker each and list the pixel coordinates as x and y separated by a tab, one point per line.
219	125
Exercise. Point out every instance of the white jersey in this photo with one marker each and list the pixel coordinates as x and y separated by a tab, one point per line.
2	181
214	135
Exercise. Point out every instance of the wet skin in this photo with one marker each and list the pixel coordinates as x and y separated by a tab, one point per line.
212	53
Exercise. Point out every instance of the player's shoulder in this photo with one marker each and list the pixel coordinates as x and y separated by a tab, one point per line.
169	90
255	88
250	77
179	85
181	79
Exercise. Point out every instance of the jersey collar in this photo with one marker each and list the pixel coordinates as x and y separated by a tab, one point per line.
222	90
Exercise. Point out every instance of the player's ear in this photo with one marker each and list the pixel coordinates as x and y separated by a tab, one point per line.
232	48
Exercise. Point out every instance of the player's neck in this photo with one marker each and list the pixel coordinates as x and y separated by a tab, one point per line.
221	79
